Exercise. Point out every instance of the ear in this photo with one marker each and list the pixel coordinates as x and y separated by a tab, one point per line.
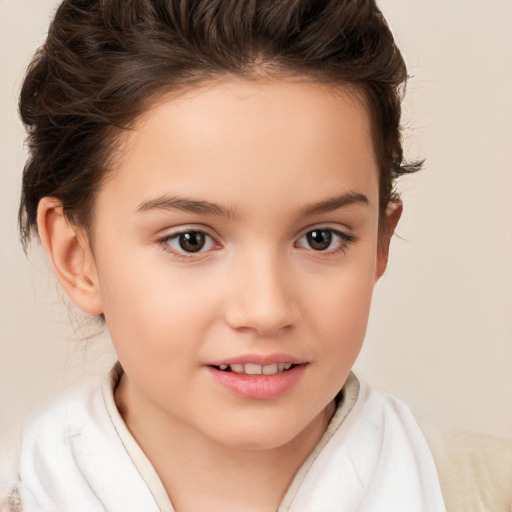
391	217
70	254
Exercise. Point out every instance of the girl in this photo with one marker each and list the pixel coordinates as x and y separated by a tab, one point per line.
215	180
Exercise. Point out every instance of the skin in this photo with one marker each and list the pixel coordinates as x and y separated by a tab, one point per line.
271	156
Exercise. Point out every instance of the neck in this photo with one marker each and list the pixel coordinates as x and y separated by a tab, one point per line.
200	474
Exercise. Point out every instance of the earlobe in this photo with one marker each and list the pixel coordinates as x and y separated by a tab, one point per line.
392	216
70	255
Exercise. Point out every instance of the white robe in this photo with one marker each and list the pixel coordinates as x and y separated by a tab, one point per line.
80	457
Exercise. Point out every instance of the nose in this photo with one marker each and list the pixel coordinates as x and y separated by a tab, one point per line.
261	296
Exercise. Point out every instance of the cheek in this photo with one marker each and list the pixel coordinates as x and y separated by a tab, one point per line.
342	310
149	308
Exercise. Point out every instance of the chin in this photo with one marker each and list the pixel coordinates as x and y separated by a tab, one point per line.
260	441
271	433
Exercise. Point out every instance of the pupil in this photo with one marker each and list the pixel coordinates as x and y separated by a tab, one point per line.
319	239
192	241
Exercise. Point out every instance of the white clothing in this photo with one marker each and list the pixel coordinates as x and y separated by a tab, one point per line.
373	457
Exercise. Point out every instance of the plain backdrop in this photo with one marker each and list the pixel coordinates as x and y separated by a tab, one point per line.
440	334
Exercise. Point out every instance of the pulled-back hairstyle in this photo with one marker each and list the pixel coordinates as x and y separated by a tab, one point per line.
105	60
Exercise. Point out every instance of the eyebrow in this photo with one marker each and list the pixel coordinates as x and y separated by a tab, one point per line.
334	203
186	205
208	208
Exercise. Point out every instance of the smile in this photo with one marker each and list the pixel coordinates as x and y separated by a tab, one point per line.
262	380
255	369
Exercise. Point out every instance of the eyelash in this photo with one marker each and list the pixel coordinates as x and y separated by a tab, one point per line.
345	240
164	242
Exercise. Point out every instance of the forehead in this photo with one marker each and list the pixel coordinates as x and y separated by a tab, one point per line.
236	139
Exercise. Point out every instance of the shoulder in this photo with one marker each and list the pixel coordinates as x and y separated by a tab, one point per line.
47	448
475	470
56	447
72	458
66	425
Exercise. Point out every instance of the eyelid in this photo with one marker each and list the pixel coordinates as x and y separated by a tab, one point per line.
343	230
172	233
346	235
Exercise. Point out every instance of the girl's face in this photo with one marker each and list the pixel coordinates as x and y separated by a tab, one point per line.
235	250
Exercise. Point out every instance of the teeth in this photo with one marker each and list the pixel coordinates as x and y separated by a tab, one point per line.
253	369
237	368
256	369
270	369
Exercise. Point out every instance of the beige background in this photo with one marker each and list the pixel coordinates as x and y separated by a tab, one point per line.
440	335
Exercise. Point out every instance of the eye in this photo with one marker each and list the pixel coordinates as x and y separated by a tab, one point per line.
192	241
325	239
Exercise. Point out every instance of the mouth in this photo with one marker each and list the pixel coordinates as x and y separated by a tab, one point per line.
261	379
255	369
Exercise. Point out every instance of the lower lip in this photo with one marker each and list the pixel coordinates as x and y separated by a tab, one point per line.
259	387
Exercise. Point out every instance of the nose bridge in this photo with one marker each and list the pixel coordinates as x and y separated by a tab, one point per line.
261	297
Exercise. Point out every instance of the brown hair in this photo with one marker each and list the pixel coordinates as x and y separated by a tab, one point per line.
104	60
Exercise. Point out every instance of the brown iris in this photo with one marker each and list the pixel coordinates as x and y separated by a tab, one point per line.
192	241
319	239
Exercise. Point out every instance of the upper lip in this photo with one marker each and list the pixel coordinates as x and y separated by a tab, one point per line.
260	359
